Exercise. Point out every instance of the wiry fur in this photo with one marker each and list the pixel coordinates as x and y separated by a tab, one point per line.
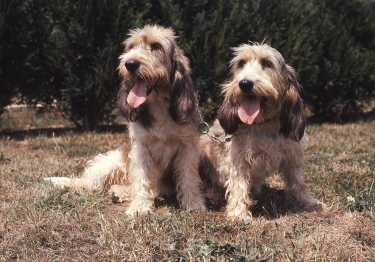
274	142
164	131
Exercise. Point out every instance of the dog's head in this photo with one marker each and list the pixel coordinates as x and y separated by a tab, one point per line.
153	63
261	87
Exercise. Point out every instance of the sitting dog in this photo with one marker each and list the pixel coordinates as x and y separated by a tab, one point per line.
158	101
262	107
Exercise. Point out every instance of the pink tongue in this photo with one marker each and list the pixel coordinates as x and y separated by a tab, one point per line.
248	110
137	95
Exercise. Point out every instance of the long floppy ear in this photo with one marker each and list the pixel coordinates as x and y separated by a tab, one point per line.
228	116
181	90
140	114
292	116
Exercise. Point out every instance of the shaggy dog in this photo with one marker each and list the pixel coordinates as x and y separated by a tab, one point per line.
158	101
262	107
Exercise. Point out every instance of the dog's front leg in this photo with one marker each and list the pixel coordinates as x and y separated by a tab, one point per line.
297	188
238	195
143	191
188	182
144	177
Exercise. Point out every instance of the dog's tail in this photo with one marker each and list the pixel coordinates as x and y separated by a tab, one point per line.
77	183
101	172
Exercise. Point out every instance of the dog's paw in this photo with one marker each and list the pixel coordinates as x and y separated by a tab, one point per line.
193	202
135	210
119	194
239	215
116	199
197	203
196	206
316	206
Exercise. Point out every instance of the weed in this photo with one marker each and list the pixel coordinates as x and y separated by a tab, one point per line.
4	158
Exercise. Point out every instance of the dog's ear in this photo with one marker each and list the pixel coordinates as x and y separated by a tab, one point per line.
182	98
140	114
228	116
292	117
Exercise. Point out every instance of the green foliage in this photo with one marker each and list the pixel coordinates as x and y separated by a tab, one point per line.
330	43
13	51
217	26
68	50
84	45
23	71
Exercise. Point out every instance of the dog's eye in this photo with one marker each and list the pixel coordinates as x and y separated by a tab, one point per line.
131	47
241	63
266	64
155	46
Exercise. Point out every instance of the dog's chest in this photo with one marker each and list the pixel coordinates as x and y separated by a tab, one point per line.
260	153
163	140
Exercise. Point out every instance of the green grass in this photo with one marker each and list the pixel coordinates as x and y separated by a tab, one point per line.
42	223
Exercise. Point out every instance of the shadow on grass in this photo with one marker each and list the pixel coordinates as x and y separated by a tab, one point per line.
20	135
274	203
271	203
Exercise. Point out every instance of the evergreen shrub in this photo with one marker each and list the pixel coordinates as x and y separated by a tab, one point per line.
68	51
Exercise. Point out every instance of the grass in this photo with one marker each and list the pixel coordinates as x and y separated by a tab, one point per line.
31	118
42	223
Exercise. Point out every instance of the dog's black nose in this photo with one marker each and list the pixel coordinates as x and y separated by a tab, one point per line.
246	85
132	65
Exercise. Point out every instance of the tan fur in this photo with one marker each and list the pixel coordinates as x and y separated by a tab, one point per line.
240	166
163	154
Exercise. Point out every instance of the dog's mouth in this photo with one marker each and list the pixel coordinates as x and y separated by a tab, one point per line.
139	92
249	109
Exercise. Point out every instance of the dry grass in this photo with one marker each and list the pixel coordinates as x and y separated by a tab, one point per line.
31	118
42	223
